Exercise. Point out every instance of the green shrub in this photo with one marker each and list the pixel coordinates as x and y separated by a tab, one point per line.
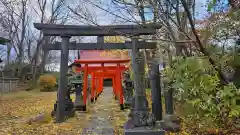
196	86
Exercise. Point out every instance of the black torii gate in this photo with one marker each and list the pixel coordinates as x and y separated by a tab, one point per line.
140	111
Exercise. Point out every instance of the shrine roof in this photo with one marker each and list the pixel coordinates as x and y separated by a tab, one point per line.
107	61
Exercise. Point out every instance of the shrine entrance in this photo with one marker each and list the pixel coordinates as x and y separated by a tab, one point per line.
98	73
141	117
107	82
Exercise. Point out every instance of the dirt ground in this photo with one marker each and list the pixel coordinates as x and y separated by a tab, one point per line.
104	116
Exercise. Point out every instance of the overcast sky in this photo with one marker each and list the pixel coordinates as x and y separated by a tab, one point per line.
105	18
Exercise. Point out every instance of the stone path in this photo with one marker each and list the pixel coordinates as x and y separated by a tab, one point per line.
105	115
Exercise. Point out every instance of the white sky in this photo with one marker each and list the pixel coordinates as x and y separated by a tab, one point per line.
102	17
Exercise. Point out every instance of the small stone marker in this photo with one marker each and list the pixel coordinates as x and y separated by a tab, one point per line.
38	118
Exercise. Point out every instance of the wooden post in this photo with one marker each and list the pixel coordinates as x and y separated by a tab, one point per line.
93	87
62	90
97	87
114	86
102	77
99	84
100	39
156	91
120	87
85	86
117	85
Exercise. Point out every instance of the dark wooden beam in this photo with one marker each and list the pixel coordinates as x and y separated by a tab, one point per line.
100	39
110	30
103	46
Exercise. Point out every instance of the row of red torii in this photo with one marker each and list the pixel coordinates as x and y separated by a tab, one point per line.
98	74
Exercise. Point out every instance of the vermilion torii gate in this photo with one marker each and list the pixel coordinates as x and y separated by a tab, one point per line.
94	70
140	111
100	72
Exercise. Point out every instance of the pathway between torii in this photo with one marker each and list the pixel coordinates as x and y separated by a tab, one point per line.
105	115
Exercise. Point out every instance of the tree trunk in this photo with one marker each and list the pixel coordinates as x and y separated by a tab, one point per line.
44	56
8	53
36	59
21	47
44	61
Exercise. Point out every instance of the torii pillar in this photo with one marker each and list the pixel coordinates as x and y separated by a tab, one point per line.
62	90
